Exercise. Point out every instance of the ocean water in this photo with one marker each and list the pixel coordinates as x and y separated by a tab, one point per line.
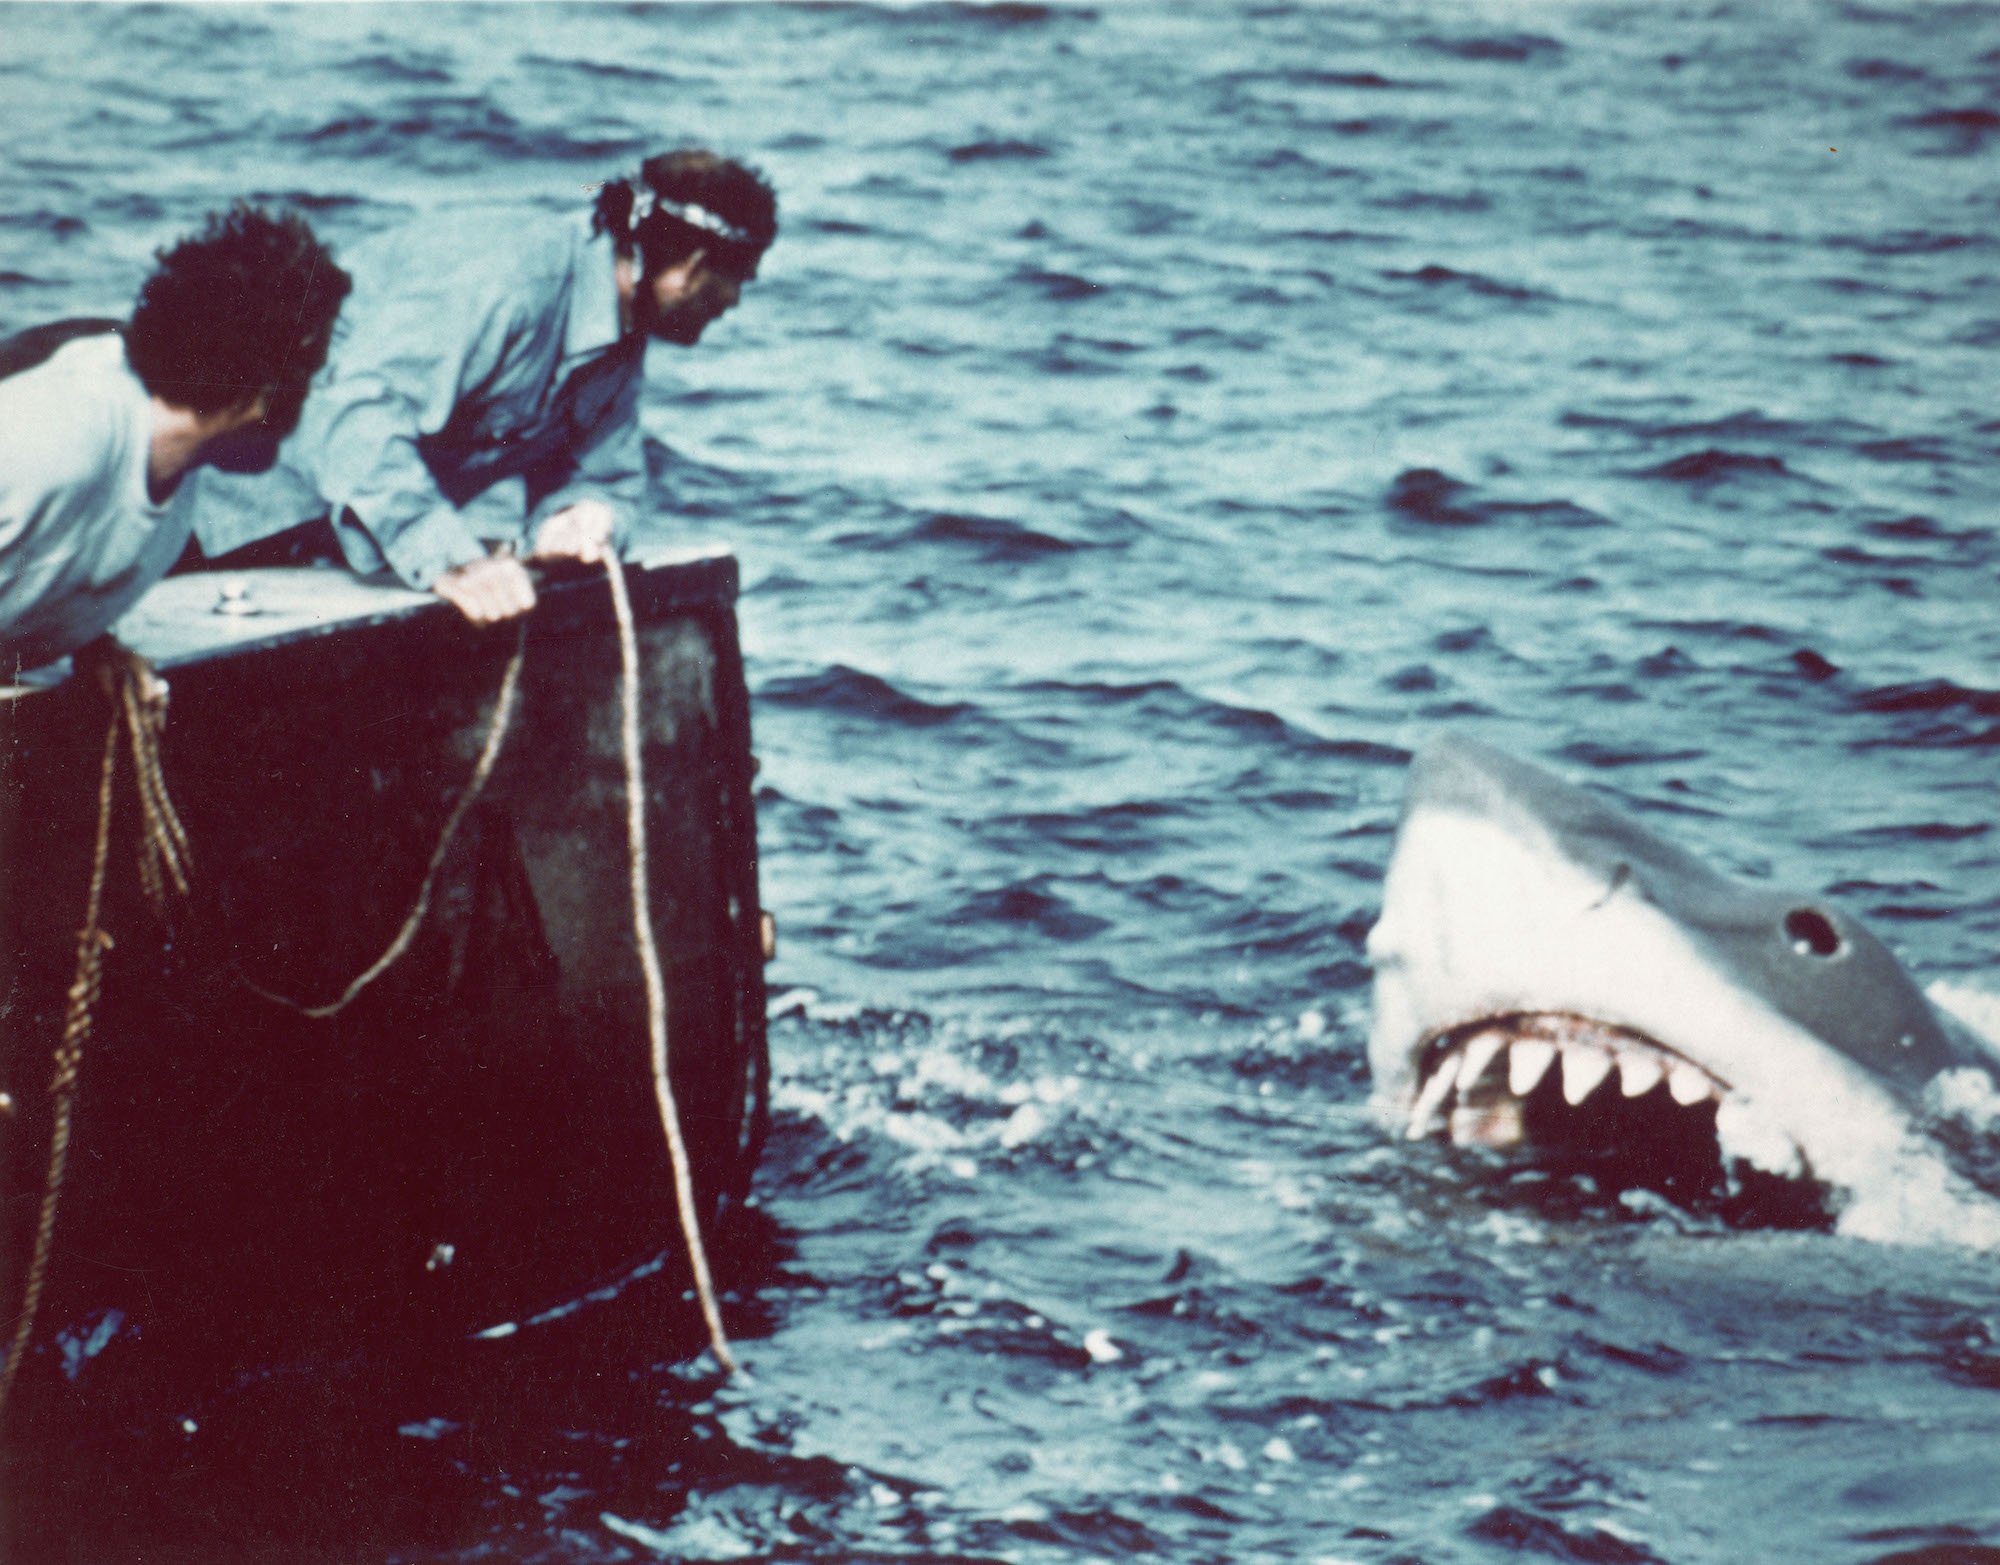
1154	422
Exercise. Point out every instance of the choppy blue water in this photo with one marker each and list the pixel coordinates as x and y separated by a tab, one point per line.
1155	421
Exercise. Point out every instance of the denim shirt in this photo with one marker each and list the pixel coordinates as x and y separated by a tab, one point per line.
478	382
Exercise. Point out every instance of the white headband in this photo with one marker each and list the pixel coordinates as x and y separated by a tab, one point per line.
646	201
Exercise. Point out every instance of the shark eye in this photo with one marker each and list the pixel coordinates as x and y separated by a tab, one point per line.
1812	933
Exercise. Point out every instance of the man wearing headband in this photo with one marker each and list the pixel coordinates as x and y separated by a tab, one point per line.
483	399
99	423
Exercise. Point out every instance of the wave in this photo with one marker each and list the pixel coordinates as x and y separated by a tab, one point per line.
1164	705
1925	831
1524	1532
993	540
1006	14
998	540
1030	903
57	225
311	201
1340	236
1933	695
1314	76
1981	121
1464	202
1130	826
1908	241
947	15
848	690
404	68
1487	287
997	152
1907	449
1882	565
1944	715
1507	48
1386	125
460	124
1060	286
1878	70
1929	530
1748	424
1965	132
132	206
1601	757
1713	465
1067	354
1426	494
1435	498
602	70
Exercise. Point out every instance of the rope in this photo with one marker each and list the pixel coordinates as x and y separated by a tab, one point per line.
496	734
163	841
92	942
649	961
164	856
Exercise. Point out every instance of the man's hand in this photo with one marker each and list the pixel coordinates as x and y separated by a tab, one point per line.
577	532
489	590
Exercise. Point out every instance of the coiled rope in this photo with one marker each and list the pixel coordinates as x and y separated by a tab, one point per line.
140	700
163	841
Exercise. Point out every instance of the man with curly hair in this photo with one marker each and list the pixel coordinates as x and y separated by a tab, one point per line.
483	399
98	424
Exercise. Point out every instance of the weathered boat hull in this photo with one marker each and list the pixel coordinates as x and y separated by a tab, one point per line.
475	1138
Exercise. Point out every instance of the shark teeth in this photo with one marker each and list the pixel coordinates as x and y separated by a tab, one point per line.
1689	1084
1477	1081
1436	1089
1483	1049
1639	1074
1584	1070
1527	1063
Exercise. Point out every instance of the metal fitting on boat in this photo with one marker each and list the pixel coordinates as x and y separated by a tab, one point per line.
233	598
767	934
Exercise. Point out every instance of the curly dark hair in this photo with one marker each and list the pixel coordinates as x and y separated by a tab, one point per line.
243	309
734	192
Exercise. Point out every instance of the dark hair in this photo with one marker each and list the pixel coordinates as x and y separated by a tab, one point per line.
693	176
243	309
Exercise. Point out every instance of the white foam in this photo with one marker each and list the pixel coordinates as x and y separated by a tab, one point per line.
1023	1125
1744	1134
1967	1095
1978	1009
1920	1201
693	1538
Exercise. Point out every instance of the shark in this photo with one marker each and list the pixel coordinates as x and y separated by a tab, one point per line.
1555	982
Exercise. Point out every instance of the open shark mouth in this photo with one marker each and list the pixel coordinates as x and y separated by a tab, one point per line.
1595	1014
1580	1096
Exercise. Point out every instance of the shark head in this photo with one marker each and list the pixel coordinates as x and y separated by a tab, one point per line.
1553	978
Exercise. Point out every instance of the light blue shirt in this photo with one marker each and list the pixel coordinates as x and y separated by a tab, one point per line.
81	536
478	382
